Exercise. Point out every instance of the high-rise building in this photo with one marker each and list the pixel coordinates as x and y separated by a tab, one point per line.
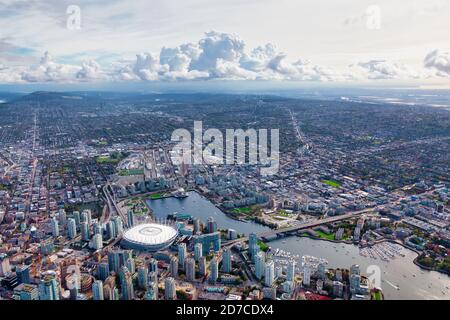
118	258
198	251
127	284
269	274
5	267
202	266
278	272
97	228
131	266
253	247
211	225
84	229
110	290
170	289
226	260
130	217
73	284
77	217
153	265
207	240
29	292
10	281
290	272
232	234
118	225
214	270
338	275
152	277
338	288
307	275
190	269
89	216
143	277
260	262
97	290
103	271
196	223
321	271
86	216
48	286
62	217
355	282
182	254
23	273
97	241
152	292
111	230
55	227
174	267
354	269
71	228
287	287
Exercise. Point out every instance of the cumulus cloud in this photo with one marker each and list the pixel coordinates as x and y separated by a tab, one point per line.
259	58
9	74
382	70
48	70
439	61
91	70
221	56
215	56
216	47
178	62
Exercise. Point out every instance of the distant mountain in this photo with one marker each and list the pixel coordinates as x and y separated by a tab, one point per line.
9	96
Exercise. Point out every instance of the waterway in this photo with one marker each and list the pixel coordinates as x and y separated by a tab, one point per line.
401	278
199	207
412	281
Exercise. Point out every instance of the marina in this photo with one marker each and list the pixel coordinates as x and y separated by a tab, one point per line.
397	274
384	251
393	260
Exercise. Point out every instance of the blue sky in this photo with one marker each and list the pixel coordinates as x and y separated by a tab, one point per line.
346	41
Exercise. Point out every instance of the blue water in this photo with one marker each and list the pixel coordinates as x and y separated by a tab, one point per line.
199	207
414	283
400	271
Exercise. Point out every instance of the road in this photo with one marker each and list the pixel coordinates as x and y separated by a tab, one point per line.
111	202
302	226
321	221
300	136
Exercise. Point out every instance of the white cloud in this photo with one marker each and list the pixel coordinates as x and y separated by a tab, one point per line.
91	70
216	56
439	61
223	56
10	74
259	58
217	46
382	70
48	70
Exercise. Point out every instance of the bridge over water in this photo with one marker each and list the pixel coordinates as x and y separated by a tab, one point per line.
271	233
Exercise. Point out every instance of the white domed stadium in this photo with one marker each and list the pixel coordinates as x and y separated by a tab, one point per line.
149	237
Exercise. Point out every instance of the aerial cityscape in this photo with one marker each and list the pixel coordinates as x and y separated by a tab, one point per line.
209	173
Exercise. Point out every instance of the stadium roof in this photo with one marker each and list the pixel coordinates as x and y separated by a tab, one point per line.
150	234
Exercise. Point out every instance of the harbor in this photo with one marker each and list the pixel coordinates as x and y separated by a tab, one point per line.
384	251
400	276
